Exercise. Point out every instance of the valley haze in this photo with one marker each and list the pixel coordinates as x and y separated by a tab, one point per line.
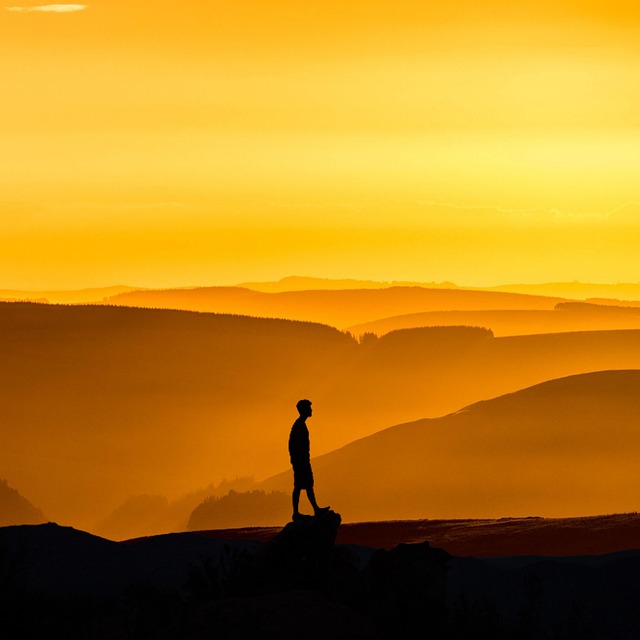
122	417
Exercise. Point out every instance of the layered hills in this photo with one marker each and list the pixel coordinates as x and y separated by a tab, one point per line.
339	308
608	293
573	290
101	404
568	446
565	317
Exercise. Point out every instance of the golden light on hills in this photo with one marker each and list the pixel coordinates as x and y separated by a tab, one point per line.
158	154
567	447
104	403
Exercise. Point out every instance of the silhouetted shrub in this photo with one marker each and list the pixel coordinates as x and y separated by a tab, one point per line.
368	338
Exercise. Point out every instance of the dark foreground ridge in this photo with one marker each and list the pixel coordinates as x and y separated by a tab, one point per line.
530	536
57	582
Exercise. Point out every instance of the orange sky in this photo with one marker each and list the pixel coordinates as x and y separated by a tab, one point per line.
203	142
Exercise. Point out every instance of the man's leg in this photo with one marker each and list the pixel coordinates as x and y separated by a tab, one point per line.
312	499
295	498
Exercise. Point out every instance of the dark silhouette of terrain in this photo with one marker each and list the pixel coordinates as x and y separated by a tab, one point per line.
189	586
530	536
58	582
185	585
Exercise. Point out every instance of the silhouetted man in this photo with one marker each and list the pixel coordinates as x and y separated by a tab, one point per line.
299	452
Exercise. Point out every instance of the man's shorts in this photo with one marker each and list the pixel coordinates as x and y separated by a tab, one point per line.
303	476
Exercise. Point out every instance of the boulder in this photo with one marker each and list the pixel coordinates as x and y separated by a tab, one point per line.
304	556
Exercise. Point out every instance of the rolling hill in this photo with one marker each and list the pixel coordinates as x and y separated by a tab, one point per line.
104	403
568	446
565	317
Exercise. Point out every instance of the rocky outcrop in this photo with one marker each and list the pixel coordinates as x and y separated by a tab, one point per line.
400	591
304	556
300	584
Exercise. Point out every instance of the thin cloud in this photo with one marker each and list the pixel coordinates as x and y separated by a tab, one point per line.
628	210
50	8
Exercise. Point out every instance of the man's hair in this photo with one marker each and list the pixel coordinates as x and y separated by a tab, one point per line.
302	404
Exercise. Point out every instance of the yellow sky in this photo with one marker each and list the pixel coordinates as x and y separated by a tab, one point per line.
204	142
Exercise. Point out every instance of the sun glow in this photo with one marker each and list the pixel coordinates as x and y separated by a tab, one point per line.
252	125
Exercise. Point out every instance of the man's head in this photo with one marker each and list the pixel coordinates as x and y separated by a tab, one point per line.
304	408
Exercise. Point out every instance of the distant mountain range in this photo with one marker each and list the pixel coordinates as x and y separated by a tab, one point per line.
71	296
301	283
567	290
571	290
568	446
339	308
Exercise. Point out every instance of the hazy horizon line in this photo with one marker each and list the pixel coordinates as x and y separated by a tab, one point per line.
364	280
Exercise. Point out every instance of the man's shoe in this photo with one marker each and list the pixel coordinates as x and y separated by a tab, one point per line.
321	510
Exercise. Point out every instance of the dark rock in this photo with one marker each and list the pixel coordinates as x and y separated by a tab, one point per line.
304	556
401	591
406	590
307	537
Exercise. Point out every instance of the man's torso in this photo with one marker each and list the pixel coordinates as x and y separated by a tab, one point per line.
299	449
